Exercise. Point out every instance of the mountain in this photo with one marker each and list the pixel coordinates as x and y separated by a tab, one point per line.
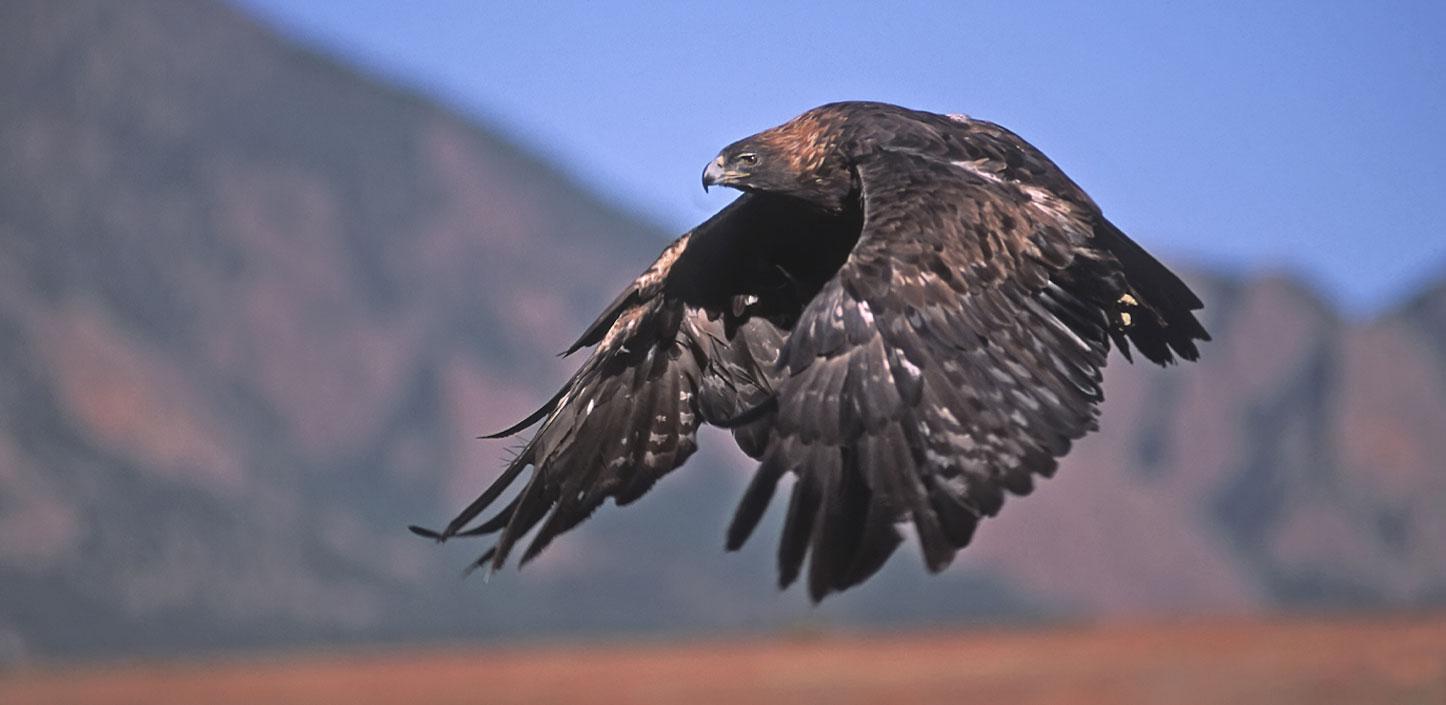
255	307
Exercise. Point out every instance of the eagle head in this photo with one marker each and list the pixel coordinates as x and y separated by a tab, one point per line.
797	158
747	165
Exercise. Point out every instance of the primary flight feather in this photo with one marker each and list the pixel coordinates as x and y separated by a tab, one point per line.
908	312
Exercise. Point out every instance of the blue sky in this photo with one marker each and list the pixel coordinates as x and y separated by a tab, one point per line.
1245	135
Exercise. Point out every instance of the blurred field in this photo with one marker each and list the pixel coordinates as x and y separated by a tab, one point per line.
1399	660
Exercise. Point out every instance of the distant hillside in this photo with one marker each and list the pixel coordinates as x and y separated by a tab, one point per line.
255	307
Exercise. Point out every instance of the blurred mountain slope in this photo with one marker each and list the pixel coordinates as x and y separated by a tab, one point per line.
254	307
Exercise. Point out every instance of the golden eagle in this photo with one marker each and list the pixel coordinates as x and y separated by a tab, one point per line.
907	311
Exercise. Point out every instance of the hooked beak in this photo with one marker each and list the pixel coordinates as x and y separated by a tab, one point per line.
715	174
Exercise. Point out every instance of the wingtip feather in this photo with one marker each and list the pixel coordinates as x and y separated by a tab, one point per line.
426	533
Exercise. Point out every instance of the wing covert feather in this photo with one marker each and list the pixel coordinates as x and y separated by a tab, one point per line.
941	367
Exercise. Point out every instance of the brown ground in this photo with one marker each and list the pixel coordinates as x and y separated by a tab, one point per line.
1398	660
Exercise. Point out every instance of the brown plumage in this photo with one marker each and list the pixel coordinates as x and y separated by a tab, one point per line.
909	312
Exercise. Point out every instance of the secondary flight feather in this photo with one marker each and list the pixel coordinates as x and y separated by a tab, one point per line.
907	312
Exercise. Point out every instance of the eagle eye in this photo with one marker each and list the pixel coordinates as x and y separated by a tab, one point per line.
747	158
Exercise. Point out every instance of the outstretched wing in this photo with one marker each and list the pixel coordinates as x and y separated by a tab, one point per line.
694	339
954	355
1158	315
626	418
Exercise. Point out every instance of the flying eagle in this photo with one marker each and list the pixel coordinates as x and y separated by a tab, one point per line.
909	312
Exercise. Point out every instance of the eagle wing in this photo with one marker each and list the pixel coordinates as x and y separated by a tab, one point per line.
626	418
956	353
695	338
